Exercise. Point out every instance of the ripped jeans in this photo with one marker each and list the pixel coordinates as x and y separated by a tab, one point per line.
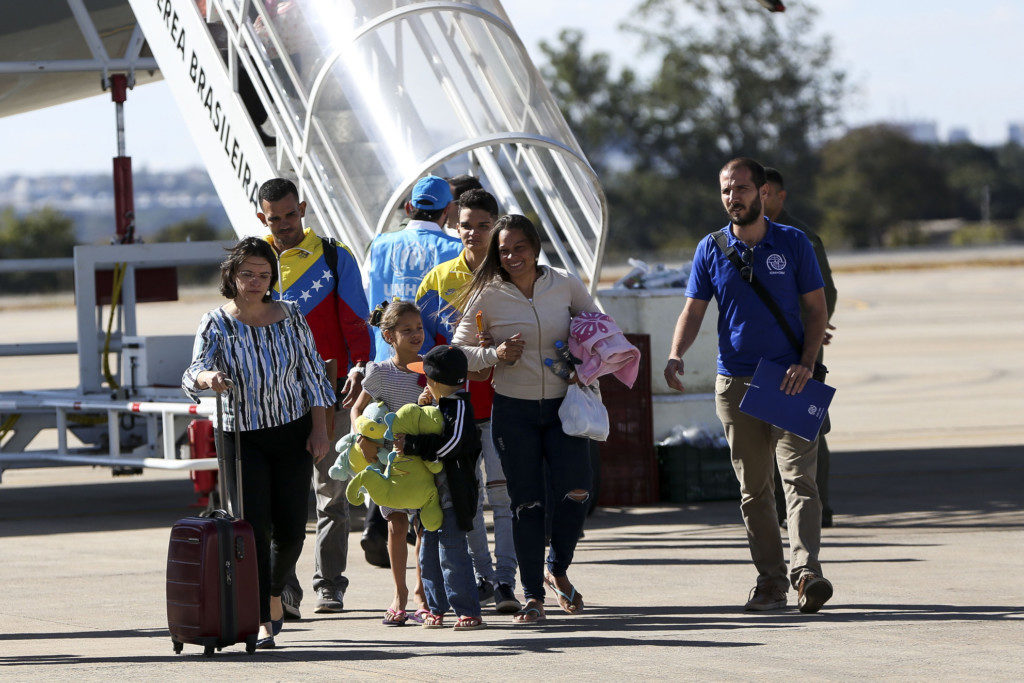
528	435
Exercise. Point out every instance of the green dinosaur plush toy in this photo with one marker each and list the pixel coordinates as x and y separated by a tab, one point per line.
408	481
375	425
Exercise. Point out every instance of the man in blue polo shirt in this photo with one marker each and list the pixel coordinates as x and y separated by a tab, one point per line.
782	259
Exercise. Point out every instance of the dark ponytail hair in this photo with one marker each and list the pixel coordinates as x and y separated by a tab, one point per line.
386	315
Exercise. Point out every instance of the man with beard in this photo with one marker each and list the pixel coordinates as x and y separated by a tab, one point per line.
782	260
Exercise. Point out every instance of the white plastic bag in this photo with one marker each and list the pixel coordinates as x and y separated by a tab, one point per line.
583	414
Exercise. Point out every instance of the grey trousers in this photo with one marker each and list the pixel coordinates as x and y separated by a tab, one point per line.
754	444
330	551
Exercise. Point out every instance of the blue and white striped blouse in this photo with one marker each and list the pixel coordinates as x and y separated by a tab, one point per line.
276	368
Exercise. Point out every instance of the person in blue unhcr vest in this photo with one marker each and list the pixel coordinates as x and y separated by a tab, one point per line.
399	260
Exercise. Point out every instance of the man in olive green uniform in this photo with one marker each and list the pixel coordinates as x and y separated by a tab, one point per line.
774	208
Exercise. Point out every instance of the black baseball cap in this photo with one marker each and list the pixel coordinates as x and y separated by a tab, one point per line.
443	364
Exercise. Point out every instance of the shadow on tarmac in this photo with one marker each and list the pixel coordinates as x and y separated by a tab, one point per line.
556	635
653	561
933	488
929	488
53	635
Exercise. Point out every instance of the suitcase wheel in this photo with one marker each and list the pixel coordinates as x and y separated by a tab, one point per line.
250	645
208	651
178	647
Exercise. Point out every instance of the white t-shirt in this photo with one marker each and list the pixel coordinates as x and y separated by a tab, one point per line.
385	381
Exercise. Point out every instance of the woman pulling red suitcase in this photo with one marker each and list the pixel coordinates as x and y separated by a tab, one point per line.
266	350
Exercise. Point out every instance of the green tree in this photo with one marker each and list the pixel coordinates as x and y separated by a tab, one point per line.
874	177
738	81
598	105
198	229
45	233
971	171
1008	199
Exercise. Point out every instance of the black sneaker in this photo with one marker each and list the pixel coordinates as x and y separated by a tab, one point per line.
329	600
375	548
485	591
764	598
290	602
505	599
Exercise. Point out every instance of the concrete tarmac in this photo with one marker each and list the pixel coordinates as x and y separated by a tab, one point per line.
925	558
926	555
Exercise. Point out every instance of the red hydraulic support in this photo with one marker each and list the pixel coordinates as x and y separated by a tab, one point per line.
151	284
124	197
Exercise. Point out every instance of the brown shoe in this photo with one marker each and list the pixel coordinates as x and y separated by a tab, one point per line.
813	591
765	598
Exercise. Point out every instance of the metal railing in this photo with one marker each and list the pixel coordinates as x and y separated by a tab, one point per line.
365	97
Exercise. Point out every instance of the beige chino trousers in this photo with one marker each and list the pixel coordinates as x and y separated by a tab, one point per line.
753	444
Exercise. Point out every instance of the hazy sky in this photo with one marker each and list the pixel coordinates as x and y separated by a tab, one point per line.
955	62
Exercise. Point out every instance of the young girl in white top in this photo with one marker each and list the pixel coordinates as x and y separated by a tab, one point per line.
393	383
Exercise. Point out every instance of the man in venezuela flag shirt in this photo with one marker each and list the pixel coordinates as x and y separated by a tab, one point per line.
329	292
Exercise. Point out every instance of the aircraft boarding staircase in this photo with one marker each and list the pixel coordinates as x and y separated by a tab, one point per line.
362	98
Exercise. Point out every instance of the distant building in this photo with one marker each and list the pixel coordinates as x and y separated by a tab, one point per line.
956	135
1016	133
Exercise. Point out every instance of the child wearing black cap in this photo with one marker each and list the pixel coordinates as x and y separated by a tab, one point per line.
445	565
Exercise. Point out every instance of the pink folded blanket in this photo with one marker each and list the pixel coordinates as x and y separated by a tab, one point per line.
595	339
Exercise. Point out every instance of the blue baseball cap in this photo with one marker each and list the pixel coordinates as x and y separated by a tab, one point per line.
431	193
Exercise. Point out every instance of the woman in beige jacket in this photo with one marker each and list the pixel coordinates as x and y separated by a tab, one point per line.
525	308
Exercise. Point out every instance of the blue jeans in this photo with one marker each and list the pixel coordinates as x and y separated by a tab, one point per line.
447	571
497	498
528	435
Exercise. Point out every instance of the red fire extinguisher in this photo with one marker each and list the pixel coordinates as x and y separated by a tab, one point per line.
201	445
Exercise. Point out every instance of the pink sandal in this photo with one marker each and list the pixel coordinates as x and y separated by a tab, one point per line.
395	617
431	620
419	615
468	624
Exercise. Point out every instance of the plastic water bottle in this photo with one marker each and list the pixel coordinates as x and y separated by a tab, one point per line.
559	367
565	355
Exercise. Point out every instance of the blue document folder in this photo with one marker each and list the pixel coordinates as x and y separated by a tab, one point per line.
800	413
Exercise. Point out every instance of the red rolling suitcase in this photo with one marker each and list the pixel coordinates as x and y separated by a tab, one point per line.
213	595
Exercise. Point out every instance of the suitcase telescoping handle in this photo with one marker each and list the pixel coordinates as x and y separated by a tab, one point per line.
225	495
